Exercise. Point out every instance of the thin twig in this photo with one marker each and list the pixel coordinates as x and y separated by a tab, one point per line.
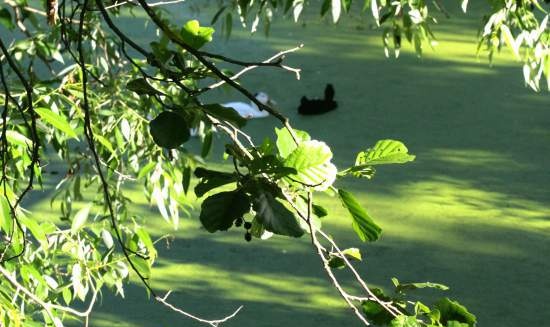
269	60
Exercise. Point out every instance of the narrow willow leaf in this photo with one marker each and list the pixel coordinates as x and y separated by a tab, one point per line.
464	5
219	211
6	220
57	121
325	7
141	86
510	41
80	218
336	9
79	290
206	144
364	226
142	266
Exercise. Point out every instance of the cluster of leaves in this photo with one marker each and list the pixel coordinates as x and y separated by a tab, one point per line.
443	313
522	26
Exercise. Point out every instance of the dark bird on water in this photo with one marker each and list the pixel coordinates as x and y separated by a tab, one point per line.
318	106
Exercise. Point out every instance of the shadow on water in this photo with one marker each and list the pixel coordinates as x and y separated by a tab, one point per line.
472	211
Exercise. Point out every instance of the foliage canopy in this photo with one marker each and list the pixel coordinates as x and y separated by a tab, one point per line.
118	112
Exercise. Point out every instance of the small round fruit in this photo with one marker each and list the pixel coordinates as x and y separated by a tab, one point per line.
247	225
248	237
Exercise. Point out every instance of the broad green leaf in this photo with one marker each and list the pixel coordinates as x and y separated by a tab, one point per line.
285	143
169	130
376	313
219	211
311	159
405	321
454	311
363	224
274	216
413	286
336	261
211	179
141	86
80	218
195	35
5	19
224	114
57	121
384	152
270	164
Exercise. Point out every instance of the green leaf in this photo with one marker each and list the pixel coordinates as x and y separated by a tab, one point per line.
142	266
285	143
5	19
336	261
196	36
311	159
405	321
384	152
273	215
219	211
206	144
375	312
141	86
336	10
79	289
223	113
36	230
319	211
211	179
363	224
400	288
454	311
169	130
270	164
80	218
325	7
6	220
57	121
